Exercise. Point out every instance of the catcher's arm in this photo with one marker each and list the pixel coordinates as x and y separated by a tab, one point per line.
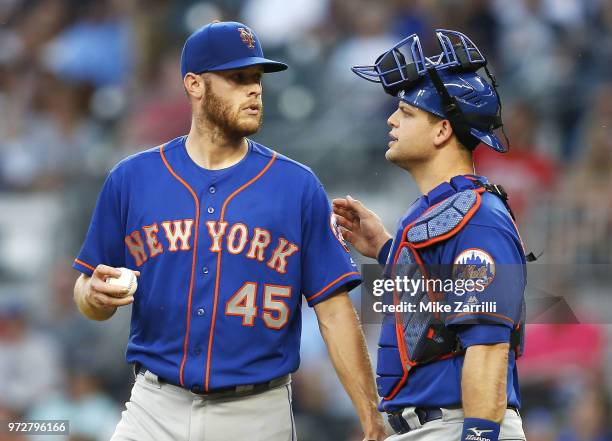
483	381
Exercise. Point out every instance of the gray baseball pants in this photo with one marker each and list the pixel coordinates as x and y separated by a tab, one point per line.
164	412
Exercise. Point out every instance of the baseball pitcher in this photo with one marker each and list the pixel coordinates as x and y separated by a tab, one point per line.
227	237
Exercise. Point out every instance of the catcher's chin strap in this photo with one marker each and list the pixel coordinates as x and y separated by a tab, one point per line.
499	191
499	112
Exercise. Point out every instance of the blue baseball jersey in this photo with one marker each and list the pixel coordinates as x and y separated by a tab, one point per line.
489	241
225	257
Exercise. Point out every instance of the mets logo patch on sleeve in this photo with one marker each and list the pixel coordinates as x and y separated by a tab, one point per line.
337	232
475	264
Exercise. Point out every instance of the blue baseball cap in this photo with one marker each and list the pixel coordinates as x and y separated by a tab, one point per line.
222	46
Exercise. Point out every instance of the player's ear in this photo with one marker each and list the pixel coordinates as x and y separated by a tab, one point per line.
194	85
443	131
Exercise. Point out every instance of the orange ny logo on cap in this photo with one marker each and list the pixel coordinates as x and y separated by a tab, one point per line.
247	37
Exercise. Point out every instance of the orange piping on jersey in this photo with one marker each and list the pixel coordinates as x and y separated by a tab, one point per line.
221	219
322	291
80	262
193	260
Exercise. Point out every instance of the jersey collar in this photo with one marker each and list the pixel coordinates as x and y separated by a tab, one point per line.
199	172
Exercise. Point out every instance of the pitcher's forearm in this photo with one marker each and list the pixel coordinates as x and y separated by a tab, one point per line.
347	348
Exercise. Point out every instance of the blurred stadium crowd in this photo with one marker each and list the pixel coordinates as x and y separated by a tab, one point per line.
84	83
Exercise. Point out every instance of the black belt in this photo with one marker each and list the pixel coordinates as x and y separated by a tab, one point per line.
242	390
425	414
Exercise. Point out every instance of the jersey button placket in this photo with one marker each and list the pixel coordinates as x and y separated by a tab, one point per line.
210	210
207	200
211	190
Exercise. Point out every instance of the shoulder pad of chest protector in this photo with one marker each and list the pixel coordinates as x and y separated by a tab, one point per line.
444	218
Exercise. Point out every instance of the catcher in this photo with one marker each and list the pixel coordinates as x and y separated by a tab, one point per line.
448	373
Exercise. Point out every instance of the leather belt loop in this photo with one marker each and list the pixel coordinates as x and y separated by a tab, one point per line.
152	379
398	423
412	418
244	389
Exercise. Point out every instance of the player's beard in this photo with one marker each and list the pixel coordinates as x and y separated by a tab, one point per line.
229	121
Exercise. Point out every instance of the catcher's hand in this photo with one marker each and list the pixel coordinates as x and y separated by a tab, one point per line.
360	226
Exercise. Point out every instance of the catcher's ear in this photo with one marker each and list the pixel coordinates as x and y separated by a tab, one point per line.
443	132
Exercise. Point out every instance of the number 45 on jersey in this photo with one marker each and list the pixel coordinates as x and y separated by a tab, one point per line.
275	312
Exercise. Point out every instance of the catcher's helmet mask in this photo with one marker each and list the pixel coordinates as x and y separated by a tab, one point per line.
404	68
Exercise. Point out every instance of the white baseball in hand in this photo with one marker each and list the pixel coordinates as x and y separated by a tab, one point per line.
127	279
